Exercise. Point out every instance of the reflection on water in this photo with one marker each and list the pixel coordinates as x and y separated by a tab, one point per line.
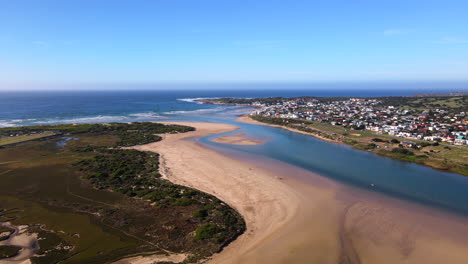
63	142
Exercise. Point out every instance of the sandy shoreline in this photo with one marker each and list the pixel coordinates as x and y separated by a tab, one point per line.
247	119
289	221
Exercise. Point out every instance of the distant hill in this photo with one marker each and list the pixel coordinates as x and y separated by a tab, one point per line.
441	94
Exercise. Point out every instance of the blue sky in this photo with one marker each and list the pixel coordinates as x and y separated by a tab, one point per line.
103	41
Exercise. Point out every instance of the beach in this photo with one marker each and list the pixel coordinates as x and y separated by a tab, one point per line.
296	216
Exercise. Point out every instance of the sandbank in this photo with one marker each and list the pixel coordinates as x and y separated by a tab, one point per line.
238	139
318	221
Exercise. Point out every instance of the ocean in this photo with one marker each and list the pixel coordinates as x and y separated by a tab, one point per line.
20	108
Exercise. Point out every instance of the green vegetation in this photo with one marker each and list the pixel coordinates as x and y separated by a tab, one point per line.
90	191
52	247
207	232
402	151
130	134
8	251
7	140
452	103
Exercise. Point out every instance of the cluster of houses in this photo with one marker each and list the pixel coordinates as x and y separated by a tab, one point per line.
373	115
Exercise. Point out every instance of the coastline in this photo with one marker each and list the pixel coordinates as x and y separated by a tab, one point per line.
289	221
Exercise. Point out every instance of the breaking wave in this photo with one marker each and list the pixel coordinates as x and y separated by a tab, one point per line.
194	100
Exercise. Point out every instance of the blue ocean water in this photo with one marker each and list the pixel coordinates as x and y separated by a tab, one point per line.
394	178
48	107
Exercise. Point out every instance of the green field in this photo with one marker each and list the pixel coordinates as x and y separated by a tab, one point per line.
6	140
50	189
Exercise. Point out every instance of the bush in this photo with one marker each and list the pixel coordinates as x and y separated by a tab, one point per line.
183	202
402	151
371	146
207	231
201	214
395	141
425	144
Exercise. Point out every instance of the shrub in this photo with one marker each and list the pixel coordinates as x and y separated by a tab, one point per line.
201	214
371	146
402	151
207	231
395	141
183	202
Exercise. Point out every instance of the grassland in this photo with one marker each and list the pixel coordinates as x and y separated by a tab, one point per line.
6	140
452	103
438	156
127	209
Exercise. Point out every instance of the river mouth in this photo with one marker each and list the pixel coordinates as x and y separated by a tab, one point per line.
19	237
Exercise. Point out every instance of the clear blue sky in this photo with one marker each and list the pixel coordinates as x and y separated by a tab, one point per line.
99	41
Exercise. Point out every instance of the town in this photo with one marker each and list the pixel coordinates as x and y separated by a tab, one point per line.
438	124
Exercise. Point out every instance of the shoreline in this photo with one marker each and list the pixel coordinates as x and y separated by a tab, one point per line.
289	221
247	119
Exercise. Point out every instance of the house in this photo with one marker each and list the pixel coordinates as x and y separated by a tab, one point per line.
408	144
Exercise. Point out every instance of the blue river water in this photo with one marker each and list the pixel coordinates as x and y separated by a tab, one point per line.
403	180
398	179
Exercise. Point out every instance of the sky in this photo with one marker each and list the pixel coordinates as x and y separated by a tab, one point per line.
177	41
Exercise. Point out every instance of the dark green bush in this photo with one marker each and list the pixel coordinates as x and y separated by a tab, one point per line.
207	231
402	151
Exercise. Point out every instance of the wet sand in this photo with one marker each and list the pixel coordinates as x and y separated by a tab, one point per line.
295	216
175	258
20	238
238	139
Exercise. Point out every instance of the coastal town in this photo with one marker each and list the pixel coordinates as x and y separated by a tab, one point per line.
438	124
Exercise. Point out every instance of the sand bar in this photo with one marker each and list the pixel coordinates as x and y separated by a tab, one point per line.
238	139
289	221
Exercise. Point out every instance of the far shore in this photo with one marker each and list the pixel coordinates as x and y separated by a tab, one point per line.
290	221
247	119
